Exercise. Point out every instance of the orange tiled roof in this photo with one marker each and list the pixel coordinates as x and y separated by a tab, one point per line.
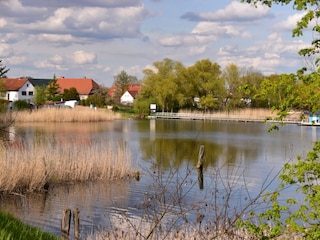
14	84
84	86
133	89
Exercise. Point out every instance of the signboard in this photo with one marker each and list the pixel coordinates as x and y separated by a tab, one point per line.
153	108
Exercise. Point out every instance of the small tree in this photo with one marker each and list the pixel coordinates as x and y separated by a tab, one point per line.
71	94
40	95
52	90
121	83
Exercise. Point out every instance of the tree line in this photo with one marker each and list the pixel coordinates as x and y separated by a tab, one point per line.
206	86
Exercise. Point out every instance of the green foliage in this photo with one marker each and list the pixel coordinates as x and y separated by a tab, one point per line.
3	88
296	216
71	94
53	90
3	105
98	98
21	105
40	95
121	83
13	229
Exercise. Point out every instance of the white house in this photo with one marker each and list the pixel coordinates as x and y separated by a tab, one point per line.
127	98
18	89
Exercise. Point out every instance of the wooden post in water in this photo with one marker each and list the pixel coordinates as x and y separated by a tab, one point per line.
65	224
76	221
200	166
200	157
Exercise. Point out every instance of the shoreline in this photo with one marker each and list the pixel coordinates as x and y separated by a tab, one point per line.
246	115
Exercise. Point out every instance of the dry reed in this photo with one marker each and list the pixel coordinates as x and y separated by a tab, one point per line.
78	114
254	114
28	168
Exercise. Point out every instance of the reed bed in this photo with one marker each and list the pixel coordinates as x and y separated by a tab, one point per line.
254	114
78	114
33	167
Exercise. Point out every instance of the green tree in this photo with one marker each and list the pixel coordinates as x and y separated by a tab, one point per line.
278	91
3	88
232	77
121	83
3	70
204	82
40	95
162	83
99	97
308	94
53	90
251	82
71	94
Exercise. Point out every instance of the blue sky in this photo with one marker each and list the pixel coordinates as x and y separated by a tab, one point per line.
100	38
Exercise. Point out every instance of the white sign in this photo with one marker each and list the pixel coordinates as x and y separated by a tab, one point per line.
153	106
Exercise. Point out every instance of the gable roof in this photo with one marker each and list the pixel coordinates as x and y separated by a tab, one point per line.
14	84
84	86
42	82
133	89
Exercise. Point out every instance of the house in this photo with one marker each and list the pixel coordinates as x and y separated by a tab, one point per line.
84	86
18	89
128	96
41	82
313	119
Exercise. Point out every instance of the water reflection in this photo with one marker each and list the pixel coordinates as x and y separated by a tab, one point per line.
243	153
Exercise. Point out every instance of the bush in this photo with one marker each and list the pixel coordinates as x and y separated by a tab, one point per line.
21	105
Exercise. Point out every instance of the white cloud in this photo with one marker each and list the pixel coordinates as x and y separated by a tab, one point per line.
15	60
82	57
290	23
3	22
5	50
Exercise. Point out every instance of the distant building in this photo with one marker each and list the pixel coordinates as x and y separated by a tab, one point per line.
18	89
128	97
84	86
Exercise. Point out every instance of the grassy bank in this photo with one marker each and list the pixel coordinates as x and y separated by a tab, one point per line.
31	167
78	114
13	229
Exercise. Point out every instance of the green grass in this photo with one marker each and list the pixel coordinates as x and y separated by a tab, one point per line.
13	229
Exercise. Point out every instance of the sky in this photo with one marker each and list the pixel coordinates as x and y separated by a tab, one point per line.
100	38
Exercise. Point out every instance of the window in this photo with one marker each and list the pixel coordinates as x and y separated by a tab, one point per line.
30	93
24	93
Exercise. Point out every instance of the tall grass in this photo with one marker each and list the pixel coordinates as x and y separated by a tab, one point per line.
78	114
13	229
256	114
32	167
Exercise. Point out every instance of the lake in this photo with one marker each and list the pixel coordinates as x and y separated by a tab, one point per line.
239	156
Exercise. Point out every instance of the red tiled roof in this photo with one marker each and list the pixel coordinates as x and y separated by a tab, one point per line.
84	86
14	84
133	89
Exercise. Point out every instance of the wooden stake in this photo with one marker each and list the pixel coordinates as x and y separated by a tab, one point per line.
65	223
200	157
76	221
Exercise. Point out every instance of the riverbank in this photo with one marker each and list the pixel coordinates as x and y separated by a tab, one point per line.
242	115
78	114
14	229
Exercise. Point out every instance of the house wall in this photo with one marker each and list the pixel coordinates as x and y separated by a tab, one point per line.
314	118
83	97
126	98
26	92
